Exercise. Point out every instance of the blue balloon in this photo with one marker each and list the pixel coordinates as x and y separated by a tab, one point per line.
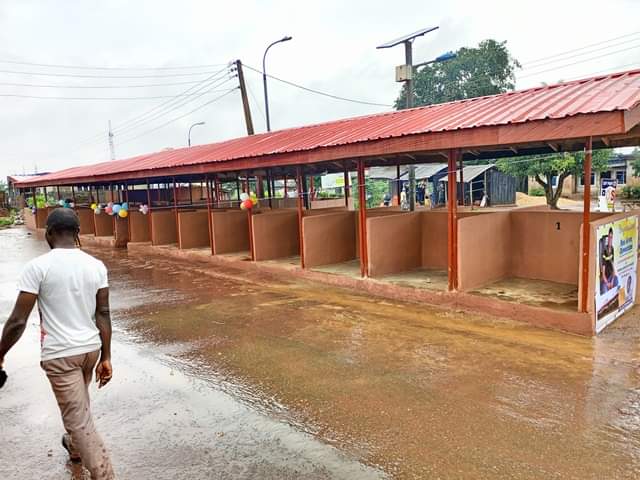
125	206
115	209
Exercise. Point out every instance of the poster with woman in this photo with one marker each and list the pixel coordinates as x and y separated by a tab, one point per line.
617	262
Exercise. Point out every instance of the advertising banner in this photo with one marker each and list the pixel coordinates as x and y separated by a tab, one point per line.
617	263
607	198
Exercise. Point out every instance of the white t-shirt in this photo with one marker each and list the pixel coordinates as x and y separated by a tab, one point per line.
66	281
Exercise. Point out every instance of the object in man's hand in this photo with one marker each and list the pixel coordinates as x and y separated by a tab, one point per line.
3	377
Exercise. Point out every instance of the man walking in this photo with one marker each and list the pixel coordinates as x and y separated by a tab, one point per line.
72	291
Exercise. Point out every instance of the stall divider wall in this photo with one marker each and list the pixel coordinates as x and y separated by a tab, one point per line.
121	234
275	234
85	215
163	230
371	213
230	231
104	225
139	227
484	249
329	238
394	243
194	229
546	244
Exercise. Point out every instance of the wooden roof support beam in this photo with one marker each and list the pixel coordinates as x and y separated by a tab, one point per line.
553	147
606	141
514	150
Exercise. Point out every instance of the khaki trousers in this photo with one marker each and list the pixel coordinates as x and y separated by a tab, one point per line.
70	378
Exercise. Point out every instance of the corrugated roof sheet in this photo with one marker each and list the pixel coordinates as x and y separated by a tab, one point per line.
471	172
620	91
426	170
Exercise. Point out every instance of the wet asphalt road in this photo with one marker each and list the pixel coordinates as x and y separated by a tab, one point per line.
159	417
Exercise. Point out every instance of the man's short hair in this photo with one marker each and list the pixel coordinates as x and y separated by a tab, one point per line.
62	220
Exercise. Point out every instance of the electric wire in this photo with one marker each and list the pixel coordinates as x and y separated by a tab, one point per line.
148	85
76	75
220	97
318	92
581	48
89	67
156	97
558	67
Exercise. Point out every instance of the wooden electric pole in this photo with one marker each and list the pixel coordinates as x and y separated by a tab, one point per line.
245	98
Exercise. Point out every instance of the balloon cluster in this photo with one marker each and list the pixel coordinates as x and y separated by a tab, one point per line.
111	209
248	201
144	209
66	203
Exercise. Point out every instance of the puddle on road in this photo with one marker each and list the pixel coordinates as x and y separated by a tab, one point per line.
422	392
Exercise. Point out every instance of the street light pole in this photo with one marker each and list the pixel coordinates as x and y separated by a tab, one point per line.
264	79
194	125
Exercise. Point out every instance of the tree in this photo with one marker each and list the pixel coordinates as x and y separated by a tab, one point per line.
486	70
545	167
635	162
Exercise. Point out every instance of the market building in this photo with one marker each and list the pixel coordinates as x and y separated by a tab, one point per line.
187	202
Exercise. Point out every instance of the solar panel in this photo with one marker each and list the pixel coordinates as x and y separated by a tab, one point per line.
405	38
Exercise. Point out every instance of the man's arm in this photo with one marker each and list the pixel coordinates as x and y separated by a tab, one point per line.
104	371
17	322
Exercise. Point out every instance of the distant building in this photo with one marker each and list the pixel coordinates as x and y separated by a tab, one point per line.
619	168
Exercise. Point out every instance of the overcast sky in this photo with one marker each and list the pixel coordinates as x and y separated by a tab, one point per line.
333	50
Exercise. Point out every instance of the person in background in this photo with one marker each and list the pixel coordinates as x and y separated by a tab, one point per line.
72	292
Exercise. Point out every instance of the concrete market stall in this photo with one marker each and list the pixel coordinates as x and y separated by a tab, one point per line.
599	112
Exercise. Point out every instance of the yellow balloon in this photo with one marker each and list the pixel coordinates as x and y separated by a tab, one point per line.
254	200
93	206
123	213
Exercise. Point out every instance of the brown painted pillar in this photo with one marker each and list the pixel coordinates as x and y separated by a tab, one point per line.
461	167
362	215
209	219
217	184
346	185
128	219
312	189
452	221
175	210
150	219
300	215
247	186
269	189
586	225
398	189
285	187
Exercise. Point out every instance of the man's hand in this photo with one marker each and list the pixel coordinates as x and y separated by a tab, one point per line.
104	372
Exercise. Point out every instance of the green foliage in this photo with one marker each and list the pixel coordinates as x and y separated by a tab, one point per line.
635	162
631	192
569	163
3	186
536	192
487	69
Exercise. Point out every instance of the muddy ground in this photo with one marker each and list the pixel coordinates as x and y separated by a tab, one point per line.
225	374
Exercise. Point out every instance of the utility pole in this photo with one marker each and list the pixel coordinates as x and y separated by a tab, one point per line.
112	149
245	98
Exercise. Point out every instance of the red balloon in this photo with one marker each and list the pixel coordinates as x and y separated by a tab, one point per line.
248	204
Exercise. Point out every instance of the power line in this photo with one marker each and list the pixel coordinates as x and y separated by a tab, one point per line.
181	116
549	62
89	67
148	85
318	92
97	137
156	97
172	105
579	61
75	75
581	48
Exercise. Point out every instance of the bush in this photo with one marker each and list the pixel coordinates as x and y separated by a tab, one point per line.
631	192
536	192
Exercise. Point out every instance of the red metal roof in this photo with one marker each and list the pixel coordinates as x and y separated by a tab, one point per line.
607	93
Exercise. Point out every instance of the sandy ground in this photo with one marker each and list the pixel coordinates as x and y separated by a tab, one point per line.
228	375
